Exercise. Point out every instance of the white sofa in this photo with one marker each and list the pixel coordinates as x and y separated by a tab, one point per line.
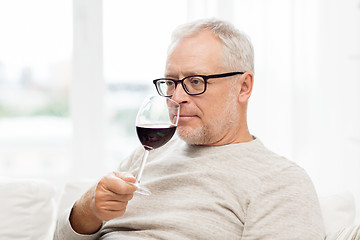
28	209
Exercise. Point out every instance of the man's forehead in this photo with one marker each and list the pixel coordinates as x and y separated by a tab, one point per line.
174	70
194	55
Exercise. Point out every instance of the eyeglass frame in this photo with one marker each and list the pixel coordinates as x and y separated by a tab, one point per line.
205	77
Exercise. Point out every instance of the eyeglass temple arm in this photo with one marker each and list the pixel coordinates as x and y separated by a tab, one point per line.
224	75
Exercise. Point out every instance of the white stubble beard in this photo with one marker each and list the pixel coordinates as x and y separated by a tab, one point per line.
212	131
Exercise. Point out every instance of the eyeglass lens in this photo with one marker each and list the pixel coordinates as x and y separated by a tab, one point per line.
192	85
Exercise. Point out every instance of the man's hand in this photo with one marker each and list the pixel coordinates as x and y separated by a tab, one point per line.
105	201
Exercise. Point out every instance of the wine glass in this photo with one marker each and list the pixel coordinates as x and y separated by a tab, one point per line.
156	123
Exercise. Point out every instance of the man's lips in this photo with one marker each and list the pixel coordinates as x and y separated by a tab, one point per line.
187	116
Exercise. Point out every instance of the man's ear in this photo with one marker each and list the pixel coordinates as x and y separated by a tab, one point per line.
247	82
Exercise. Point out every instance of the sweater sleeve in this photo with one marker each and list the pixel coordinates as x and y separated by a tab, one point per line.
285	208
64	230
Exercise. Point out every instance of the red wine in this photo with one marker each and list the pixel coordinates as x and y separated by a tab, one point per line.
155	135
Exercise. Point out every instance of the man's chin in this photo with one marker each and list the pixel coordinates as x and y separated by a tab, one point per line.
190	135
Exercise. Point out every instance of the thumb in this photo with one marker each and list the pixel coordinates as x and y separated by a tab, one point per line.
126	176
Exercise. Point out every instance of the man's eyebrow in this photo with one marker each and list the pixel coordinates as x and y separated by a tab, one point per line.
169	75
186	74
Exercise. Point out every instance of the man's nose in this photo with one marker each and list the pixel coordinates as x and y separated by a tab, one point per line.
180	95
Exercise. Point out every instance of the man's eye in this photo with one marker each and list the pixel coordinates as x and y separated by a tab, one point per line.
169	83
196	81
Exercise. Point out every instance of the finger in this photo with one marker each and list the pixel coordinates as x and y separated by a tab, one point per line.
109	215
111	196
111	206
122	197
117	185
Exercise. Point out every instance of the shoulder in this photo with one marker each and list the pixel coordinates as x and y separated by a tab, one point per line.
255	165
285	194
259	160
280	177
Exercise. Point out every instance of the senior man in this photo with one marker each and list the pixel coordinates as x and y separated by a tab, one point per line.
215	180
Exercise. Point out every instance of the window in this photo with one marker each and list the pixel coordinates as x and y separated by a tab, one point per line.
35	73
136	36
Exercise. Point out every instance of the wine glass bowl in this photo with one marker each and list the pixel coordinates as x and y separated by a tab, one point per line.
156	123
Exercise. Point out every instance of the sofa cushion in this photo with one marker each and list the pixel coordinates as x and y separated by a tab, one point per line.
27	209
349	233
73	191
338	211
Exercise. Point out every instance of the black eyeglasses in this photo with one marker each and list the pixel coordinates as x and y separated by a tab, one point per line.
193	85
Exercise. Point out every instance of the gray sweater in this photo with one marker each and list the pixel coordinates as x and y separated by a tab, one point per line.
237	191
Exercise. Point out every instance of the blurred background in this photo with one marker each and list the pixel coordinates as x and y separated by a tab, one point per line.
74	72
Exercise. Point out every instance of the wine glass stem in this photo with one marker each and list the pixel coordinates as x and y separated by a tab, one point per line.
142	165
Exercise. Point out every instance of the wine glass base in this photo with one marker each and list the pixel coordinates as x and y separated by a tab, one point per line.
143	191
140	189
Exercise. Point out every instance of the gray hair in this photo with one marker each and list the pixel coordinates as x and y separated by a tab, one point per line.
238	52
